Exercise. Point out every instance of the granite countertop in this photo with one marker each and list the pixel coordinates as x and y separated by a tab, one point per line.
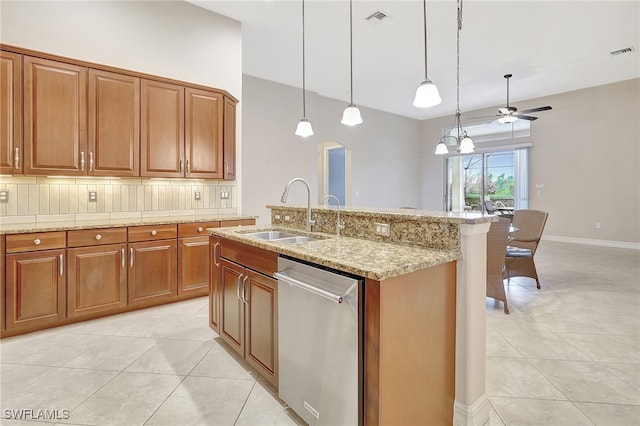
371	259
23	228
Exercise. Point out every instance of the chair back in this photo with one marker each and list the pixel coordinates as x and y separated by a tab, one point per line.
530	224
497	240
488	206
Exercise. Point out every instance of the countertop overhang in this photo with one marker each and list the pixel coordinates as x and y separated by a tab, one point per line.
371	259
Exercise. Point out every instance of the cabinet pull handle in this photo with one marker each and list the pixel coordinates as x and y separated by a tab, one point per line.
90	161
244	290
188	167
181	165
61	265
82	161
37	241
238	287
122	256
154	232
98	237
200	229
16	159
131	258
215	254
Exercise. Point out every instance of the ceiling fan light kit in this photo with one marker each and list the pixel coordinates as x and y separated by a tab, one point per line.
351	115
507	119
303	128
427	94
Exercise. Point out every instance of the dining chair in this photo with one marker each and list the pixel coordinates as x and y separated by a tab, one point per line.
523	244
488	206
497	240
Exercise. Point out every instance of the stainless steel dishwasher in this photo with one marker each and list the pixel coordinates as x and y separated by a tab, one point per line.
319	344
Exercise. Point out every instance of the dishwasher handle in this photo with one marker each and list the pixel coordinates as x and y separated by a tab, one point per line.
308	287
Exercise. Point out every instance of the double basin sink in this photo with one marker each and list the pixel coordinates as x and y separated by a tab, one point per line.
282	237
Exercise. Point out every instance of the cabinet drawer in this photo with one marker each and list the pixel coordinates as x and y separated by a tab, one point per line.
35	241
95	237
195	229
255	258
152	232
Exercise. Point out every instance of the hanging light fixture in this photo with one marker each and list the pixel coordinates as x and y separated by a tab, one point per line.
351	115
464	142
304	126
427	94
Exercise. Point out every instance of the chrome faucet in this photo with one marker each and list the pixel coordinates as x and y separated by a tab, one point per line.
339	225
285	194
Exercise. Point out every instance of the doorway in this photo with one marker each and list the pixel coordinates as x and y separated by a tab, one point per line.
334	173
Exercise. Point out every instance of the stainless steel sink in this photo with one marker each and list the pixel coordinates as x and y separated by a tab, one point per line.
271	235
294	240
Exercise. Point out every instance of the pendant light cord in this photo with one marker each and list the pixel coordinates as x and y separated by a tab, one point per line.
424	8
304	99
459	27
351	46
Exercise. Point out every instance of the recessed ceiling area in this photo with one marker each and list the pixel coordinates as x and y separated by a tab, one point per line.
549	46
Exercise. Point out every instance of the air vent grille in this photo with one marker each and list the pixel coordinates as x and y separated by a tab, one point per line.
623	51
379	16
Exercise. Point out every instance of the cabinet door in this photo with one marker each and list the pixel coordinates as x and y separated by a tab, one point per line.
215	285
55	118
97	279
203	134
114	124
10	112
162	130
229	139
152	271
35	289
262	325
193	265
232	308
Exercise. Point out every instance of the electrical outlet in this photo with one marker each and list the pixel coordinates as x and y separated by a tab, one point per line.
196	195
93	196
224	195
277	217
382	229
598	226
287	218
4	196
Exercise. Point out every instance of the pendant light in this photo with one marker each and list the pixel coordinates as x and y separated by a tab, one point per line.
304	126
427	94
351	115
464	142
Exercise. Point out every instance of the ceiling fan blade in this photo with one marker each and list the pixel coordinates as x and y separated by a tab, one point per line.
507	110
485	116
527	117
527	111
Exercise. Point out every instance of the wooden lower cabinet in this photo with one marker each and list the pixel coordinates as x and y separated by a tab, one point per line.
152	271
214	284
193	265
97	279
248	316
35	289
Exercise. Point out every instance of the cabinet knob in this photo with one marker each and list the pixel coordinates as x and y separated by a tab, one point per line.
154	232
199	228
98	237
37	241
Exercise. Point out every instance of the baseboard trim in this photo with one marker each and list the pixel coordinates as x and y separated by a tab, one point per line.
592	242
476	414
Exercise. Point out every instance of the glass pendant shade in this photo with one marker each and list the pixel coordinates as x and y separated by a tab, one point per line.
427	95
304	128
506	119
466	145
351	116
441	149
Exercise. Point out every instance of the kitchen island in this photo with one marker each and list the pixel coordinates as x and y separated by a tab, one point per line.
413	371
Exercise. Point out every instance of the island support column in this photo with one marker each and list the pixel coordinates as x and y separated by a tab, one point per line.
471	407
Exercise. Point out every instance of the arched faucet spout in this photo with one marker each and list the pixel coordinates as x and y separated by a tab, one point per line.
285	194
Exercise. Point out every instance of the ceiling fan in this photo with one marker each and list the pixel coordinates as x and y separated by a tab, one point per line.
509	114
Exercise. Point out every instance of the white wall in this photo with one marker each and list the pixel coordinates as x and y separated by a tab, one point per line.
385	150
586	151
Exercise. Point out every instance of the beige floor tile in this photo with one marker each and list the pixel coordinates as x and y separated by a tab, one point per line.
516	377
16	377
603	348
263	408
203	401
51	348
220	362
542	345
611	415
193	328
628	373
154	325
104	326
113	353
588	382
499	346
538	412
172	357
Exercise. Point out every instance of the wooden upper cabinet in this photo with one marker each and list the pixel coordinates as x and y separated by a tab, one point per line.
229	139
55	136
10	112
162	130
203	134
114	124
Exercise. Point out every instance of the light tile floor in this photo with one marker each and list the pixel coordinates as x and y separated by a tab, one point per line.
568	354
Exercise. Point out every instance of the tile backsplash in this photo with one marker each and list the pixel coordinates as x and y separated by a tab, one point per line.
47	199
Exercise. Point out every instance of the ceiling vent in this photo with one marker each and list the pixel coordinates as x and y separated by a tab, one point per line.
376	16
623	51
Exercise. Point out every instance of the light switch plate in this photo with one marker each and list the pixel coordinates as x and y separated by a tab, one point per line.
4	196
93	196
